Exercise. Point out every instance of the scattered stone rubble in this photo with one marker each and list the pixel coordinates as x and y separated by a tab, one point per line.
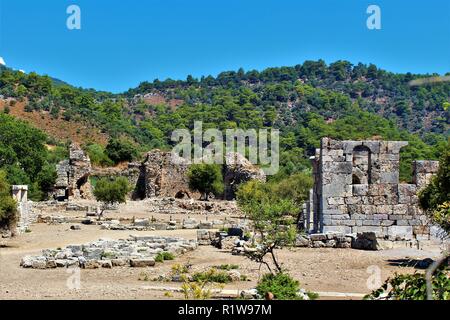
171	205
135	252
241	244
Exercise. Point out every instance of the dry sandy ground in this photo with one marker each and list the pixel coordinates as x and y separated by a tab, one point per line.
324	270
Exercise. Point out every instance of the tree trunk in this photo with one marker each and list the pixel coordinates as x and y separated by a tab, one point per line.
274	258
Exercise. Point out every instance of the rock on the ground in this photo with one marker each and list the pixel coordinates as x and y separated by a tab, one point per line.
135	252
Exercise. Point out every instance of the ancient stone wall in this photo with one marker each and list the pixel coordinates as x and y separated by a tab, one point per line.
26	214
357	189
238	170
134	172
165	177
72	180
159	175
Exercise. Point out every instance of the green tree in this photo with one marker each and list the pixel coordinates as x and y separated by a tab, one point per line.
206	179
119	150
97	154
46	178
110	191
273	220
435	198
8	207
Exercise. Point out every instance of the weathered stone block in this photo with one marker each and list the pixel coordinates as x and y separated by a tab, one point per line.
360	189
389	177
371	222
375	229
342	229
384	209
400	209
336	200
400	232
318	244
142	263
368	209
318	237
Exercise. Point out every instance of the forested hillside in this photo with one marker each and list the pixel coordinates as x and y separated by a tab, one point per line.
305	102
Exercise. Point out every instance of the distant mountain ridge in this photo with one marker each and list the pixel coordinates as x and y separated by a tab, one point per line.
306	102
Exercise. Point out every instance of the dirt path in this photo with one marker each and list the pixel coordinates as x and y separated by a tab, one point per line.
327	270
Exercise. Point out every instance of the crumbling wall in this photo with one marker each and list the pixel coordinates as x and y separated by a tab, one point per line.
134	172
72	180
159	175
165	177
357	189
26	215
239	170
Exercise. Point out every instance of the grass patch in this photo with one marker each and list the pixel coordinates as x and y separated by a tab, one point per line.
163	256
227	267
212	276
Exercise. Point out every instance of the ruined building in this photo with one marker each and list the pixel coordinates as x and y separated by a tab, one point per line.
357	189
73	176
157	176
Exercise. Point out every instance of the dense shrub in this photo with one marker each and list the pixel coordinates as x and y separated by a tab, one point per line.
97	154
111	190
163	256
8	207
206	178
281	285
436	196
119	150
212	275
413	287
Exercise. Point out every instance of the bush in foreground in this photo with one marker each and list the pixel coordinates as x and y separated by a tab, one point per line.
282	286
413	287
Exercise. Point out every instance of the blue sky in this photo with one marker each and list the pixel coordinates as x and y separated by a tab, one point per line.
122	43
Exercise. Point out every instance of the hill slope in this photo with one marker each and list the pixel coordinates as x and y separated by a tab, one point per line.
305	102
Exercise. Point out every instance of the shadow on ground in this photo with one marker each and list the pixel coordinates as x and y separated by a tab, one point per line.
414	263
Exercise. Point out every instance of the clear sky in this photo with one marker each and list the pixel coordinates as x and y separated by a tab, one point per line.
122	43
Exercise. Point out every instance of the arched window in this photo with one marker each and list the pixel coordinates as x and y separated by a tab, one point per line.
355	179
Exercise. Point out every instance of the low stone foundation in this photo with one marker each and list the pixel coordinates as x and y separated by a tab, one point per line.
133	252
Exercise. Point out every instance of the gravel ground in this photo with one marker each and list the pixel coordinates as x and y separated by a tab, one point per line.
324	270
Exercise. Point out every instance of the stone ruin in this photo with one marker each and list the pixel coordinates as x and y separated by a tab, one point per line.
136	251
73	176
239	170
159	175
356	190
26	215
164	177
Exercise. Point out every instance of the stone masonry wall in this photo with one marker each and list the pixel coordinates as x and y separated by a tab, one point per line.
357	189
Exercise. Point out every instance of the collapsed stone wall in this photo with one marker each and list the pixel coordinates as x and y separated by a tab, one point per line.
159	175
134	172
239	170
165	177
72	180
357	189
